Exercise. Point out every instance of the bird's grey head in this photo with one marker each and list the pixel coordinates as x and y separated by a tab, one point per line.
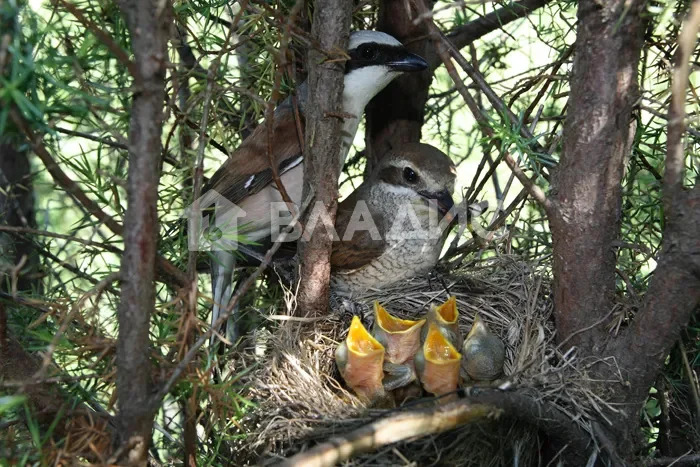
419	170
375	60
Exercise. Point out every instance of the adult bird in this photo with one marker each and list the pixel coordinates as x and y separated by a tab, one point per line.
246	178
408	198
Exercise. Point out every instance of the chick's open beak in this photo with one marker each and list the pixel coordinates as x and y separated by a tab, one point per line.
445	317
400	337
360	359
438	363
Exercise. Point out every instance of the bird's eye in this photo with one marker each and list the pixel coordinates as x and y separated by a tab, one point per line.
367	52
410	175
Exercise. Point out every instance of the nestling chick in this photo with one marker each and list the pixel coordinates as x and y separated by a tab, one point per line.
446	319
437	363
483	353
401	340
360	359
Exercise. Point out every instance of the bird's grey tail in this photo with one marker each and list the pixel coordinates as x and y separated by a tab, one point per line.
222	267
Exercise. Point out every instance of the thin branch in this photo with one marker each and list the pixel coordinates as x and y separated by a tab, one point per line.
269	111
166	268
61	178
464	35
675	155
119	53
692	380
149	24
114	144
441	46
529	183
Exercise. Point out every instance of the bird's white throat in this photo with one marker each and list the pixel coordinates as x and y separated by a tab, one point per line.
360	86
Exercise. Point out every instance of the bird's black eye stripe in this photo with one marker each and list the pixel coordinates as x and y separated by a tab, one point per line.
372	53
410	175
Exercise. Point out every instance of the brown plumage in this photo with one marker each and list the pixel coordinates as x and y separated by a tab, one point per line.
412	180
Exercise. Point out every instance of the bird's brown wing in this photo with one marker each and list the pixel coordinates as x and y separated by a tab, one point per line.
361	249
247	170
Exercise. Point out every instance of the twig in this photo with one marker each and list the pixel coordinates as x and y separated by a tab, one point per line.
119	53
479	80
529	183
692	380
440	44
114	144
473	30
269	111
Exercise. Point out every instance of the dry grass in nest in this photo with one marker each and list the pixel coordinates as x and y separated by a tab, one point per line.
301	399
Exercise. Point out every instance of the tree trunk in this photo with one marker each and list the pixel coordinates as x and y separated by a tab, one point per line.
149	24
587	188
395	116
17	209
330	29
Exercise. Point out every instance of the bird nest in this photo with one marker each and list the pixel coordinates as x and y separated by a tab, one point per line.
301	400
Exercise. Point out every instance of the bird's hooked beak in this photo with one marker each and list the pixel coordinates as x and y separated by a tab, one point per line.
360	360
440	371
443	198
406	61
400	337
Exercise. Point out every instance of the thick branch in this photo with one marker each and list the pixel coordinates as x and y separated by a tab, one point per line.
473	30
149	23
674	291
331	24
474	405
391	430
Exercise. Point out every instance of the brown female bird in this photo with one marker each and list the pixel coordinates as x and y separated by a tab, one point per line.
393	226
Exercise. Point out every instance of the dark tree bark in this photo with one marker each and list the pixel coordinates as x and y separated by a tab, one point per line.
585	218
149	23
330	30
396	114
17	209
587	190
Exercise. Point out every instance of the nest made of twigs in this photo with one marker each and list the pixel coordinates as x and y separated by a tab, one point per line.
301	399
